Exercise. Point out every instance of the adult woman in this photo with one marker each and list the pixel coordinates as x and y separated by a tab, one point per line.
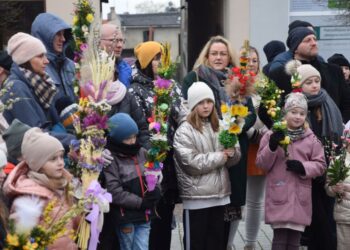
148	55
256	177
211	66
39	179
29	82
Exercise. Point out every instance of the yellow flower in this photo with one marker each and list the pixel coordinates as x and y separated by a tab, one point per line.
242	111
12	240
90	18
224	108
85	3
30	246
235	129
234	110
285	141
75	20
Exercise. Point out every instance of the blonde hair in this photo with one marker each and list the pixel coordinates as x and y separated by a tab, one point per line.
197	122
203	56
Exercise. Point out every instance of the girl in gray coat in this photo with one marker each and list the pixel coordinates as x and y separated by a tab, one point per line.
203	178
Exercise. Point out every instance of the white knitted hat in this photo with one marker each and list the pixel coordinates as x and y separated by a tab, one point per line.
306	71
22	47
295	100
198	92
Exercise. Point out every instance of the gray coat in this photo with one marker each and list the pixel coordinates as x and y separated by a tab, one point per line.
200	163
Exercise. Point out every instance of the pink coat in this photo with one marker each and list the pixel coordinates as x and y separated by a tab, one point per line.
288	195
18	184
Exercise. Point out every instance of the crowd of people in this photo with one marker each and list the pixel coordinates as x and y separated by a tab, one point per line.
217	187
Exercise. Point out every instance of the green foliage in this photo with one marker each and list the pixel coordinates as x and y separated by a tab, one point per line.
227	140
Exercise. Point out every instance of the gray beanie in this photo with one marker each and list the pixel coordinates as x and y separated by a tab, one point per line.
13	137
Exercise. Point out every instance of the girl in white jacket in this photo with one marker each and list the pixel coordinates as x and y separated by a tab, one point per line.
203	178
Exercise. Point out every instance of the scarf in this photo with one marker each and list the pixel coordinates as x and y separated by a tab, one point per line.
332	122
55	185
213	78
123	149
296	133
43	86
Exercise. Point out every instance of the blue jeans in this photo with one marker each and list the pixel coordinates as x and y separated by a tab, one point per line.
134	236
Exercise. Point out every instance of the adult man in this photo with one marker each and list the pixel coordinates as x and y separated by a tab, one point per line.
112	41
302	46
56	35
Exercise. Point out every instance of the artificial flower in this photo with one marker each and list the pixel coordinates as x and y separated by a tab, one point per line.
90	18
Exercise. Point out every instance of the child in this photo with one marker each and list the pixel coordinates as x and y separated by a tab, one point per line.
203	178
342	208
42	175
288	186
132	205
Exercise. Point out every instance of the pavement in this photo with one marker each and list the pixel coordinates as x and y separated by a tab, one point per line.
264	238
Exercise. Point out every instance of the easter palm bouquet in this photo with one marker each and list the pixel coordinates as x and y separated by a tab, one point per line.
158	122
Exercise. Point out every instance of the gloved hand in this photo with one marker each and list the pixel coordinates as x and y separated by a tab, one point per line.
107	157
264	117
150	199
296	167
275	138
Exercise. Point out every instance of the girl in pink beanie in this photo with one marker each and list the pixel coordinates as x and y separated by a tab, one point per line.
39	179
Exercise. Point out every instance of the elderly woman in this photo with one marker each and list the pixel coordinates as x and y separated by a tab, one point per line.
211	67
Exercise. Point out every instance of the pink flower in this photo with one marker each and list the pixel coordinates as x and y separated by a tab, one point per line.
162	83
83	46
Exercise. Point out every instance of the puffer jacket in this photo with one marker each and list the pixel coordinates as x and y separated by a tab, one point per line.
342	209
125	180
200	164
61	69
18	185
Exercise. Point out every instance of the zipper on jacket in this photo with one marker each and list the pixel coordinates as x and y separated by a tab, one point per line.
140	180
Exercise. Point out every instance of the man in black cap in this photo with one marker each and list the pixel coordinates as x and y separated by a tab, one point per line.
5	66
302	46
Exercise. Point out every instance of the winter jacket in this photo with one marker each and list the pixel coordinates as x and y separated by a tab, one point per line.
125	180
200	163
238	172
342	208
129	106
18	185
142	88
332	79
61	69
123	72
28	108
288	195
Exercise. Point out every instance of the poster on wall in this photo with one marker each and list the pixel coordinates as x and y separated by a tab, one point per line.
332	32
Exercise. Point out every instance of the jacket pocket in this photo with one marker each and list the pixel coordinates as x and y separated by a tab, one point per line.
279	192
304	194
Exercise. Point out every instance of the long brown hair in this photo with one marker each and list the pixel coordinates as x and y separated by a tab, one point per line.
196	121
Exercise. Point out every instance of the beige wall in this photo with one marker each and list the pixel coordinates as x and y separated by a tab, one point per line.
64	8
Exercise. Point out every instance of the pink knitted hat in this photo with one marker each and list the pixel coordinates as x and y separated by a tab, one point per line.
22	47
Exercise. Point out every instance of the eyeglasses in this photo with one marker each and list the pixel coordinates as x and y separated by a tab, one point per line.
115	40
218	53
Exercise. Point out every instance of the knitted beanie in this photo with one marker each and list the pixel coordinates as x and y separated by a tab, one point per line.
198	92
339	60
115	93
5	60
39	147
145	52
295	100
13	137
22	47
306	71
121	126
273	48
296	36
298	23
